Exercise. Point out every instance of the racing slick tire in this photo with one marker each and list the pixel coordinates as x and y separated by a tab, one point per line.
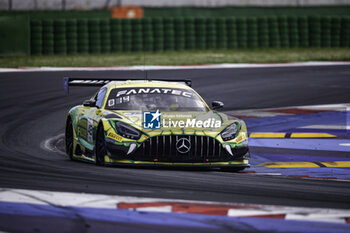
100	148
69	139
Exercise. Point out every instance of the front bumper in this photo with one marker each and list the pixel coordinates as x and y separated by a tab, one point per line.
143	155
126	162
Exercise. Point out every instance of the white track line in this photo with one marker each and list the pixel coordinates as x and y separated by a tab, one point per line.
141	68
336	127
267	112
257	113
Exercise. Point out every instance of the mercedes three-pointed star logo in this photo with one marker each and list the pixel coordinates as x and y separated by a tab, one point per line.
183	145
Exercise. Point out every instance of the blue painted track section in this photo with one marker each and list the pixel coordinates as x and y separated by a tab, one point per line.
301	150
305	144
209	223
289	123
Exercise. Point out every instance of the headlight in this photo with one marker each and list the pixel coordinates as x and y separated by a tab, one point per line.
229	132
127	131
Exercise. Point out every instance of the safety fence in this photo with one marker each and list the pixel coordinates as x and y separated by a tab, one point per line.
71	36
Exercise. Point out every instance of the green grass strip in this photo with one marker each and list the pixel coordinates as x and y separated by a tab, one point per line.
189	57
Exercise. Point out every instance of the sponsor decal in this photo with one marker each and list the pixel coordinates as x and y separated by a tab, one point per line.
135	91
239	138
192	123
124	99
114	136
90	129
151	120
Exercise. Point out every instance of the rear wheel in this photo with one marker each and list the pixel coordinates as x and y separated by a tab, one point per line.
69	139
100	149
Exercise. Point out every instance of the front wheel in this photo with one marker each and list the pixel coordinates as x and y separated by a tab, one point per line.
100	150
69	139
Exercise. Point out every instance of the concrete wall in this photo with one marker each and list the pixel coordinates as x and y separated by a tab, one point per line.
98	4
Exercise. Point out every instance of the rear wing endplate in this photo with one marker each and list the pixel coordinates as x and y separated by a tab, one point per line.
99	82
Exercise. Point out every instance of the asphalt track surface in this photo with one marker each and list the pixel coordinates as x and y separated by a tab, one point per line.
33	108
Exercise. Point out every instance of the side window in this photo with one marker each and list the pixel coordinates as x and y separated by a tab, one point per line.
100	97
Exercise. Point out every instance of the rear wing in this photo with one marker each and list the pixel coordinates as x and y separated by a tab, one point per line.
99	82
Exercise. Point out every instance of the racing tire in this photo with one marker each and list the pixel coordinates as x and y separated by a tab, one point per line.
232	169
69	139
100	148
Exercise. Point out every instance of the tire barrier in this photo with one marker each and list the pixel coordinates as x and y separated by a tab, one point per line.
158	34
94	36
252	33
274	33
345	32
36	37
180	34
283	28
293	32
148	35
335	31
211	33
137	35
200	33
221	33
48	37
315	31
231	28
71	36
116	35
190	35
60	39
83	36
126	35
263	32
169	34
105	29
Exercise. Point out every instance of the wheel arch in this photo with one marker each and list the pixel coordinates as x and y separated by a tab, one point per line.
105	124
100	126
101	123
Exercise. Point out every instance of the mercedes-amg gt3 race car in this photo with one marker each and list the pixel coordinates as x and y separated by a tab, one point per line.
153	122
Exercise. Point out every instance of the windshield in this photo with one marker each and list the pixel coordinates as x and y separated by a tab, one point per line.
145	99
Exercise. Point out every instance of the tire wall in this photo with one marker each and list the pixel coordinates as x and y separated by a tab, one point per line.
72	36
15	36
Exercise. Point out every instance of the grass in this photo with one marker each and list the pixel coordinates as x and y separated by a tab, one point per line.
268	55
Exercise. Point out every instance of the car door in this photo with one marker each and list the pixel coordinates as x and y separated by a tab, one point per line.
88	117
93	115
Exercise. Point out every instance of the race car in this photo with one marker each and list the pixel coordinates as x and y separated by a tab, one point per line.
153	123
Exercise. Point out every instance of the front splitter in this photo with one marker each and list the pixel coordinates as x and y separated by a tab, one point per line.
239	163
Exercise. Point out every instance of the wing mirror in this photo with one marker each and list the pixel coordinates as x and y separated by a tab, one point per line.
89	103
217	104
